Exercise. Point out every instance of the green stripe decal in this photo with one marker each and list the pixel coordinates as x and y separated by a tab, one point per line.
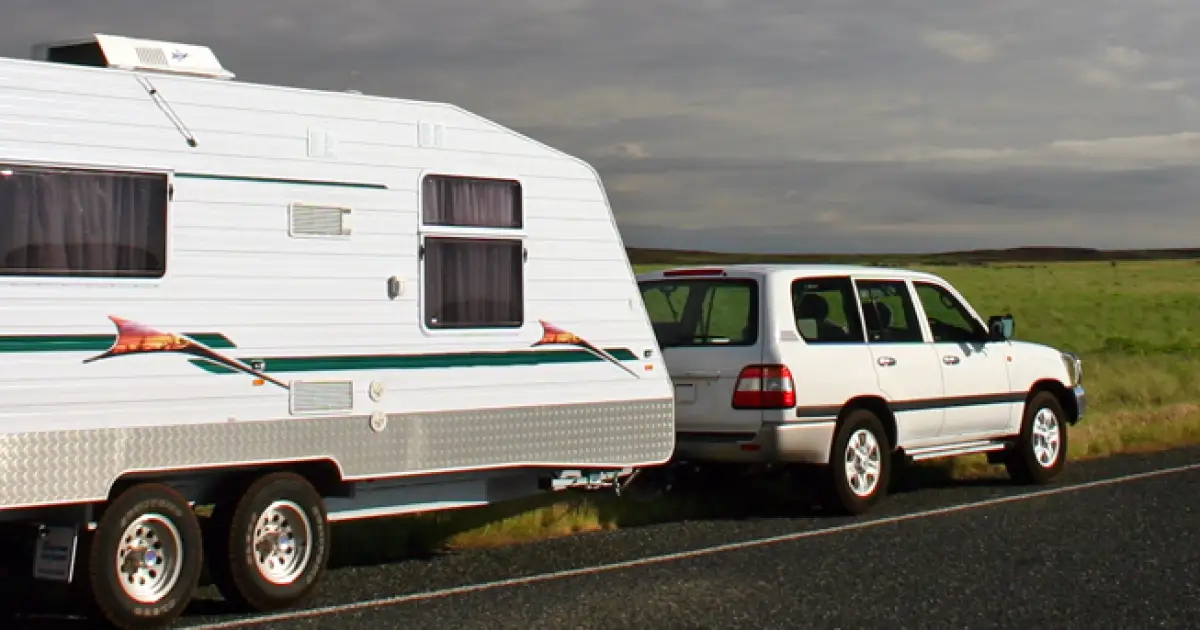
280	180
417	361
90	343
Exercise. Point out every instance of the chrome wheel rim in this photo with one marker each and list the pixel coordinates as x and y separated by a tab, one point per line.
1047	439
149	558
863	461
282	542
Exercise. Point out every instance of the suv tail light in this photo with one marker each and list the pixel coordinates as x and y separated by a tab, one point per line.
764	387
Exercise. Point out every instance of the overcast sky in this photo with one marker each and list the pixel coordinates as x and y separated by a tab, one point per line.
770	125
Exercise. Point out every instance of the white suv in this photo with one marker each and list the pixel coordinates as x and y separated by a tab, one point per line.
846	366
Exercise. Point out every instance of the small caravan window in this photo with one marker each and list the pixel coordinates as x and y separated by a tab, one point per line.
473	253
62	222
471	202
473	283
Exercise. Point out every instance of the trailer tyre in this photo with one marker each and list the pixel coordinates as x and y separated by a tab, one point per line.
145	558
273	546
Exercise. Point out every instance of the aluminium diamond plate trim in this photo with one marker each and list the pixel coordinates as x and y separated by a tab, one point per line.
43	468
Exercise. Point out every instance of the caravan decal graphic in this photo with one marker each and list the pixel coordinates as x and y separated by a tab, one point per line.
135	338
553	335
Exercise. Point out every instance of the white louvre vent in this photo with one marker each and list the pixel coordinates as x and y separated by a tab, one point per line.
322	144
431	134
321	396
114	51
151	56
311	220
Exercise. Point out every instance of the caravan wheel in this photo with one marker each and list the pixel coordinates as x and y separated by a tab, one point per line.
269	551
145	558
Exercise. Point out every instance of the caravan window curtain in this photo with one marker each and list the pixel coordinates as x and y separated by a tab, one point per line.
469	202
61	222
473	283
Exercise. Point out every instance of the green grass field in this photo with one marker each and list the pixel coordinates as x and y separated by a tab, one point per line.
1134	323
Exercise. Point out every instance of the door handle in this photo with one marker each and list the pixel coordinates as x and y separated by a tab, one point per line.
950	359
886	361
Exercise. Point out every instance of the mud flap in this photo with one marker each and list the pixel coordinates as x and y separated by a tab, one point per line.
54	554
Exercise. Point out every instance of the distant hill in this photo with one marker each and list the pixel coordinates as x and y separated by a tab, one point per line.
641	256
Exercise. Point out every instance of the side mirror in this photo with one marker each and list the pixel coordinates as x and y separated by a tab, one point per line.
1001	327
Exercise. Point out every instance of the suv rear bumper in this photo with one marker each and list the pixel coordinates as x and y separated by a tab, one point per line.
783	442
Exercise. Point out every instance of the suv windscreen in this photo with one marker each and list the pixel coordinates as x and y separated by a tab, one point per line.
689	312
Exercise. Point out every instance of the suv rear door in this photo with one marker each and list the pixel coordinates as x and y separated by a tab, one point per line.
907	367
709	326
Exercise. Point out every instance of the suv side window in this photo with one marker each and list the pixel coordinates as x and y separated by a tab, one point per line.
825	310
948	318
888	312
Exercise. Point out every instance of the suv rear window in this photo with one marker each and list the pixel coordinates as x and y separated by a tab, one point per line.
702	312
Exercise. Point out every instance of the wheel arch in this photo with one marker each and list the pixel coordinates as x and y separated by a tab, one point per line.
878	406
206	485
1060	392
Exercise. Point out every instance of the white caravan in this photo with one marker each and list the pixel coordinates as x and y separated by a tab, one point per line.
299	306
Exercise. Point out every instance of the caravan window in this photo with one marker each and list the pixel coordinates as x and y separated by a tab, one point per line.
473	283
63	222
473	253
471	202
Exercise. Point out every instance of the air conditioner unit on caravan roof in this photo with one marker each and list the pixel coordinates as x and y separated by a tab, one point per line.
114	51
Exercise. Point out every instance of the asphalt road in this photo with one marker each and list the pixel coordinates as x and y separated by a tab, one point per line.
1099	549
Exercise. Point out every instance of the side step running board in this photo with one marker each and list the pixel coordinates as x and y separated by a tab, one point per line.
952	450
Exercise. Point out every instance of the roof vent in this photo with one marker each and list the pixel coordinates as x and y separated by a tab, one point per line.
113	51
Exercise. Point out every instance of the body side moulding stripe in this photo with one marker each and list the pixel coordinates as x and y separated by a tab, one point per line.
417	361
136	338
280	180
90	343
899	406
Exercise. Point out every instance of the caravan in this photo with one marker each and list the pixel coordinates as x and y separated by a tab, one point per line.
298	307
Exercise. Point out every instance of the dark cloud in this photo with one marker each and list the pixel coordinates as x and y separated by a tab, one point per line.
769	124
1170	190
